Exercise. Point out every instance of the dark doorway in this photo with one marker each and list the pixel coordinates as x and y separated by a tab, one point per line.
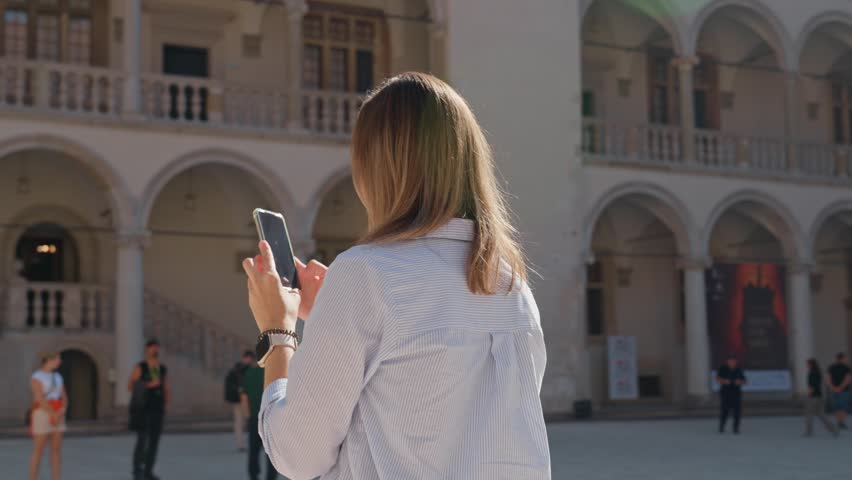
49	254
187	62
80	375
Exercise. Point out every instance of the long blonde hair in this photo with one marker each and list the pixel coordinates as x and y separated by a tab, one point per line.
419	159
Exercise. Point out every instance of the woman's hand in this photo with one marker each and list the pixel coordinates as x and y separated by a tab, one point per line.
311	277
272	304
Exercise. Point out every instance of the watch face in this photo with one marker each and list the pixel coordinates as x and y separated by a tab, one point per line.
262	347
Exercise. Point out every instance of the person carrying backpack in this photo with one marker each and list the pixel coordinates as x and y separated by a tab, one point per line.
149	398
233	382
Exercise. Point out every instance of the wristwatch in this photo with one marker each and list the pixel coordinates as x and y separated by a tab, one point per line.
268	341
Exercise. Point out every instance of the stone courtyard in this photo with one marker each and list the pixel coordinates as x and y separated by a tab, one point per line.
768	448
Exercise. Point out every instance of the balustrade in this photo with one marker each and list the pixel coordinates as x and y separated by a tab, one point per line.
254	108
178	98
329	113
186	334
58	306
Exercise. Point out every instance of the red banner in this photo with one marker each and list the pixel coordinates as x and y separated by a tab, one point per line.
747	315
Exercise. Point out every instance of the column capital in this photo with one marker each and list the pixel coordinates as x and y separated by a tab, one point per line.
800	267
686	63
139	239
296	10
437	30
694	263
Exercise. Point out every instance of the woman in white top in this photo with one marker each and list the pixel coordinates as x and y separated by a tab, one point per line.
424	354
47	418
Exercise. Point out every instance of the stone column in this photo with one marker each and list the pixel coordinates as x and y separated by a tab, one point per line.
437	32
697	338
296	10
304	248
801	325
685	67
129	309
791	119
132	57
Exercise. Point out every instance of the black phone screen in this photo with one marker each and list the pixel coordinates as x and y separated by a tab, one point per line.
272	228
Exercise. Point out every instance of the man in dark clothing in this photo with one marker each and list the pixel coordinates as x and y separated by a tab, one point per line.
233	382
839	380
731	379
814	406
149	380
251	395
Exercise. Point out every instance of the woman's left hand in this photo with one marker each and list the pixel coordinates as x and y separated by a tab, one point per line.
272	304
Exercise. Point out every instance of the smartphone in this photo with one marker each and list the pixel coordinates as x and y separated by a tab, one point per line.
272	228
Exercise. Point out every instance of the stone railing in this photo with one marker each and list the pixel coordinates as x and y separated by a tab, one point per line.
172	99
60	87
188	335
715	151
39	306
179	99
253	108
821	160
645	143
329	113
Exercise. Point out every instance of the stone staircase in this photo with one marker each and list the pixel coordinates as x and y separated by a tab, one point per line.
186	335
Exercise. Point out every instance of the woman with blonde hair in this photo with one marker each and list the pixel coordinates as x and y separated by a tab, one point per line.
47	417
424	353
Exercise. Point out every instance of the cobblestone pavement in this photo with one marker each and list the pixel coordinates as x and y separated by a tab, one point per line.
769	448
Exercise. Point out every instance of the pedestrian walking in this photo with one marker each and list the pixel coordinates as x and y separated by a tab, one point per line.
814	405
150	396
840	379
233	382
731	380
47	417
251	394
424	353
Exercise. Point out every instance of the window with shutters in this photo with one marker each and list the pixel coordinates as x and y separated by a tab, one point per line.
841	95
343	48
595	314
50	30
664	91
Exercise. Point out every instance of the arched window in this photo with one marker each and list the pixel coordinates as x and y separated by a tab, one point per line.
69	31
344	48
49	254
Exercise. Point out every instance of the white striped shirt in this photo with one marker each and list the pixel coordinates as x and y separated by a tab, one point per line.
405	374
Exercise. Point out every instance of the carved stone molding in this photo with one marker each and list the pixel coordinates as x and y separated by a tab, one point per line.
140	240
693	263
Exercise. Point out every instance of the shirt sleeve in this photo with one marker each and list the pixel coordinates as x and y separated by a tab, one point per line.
304	418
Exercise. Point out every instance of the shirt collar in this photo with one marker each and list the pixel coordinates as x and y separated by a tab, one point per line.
455	229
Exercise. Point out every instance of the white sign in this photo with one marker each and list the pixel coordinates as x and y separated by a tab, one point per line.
623	368
761	381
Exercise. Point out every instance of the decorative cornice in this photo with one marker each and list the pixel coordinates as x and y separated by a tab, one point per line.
137	239
801	267
693	263
686	63
296	9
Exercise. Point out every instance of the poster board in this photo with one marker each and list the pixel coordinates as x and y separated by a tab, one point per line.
623	368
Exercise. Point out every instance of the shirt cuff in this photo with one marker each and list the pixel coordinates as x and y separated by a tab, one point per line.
276	391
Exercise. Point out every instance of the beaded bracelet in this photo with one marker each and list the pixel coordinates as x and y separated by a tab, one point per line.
280	331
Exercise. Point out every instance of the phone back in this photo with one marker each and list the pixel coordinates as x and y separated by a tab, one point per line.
272	228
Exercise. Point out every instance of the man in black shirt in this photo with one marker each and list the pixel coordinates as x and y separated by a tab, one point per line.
839	379
731	379
148	381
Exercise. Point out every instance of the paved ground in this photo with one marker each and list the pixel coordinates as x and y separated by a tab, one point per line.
769	448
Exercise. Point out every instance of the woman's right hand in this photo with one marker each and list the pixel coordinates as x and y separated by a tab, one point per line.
311	277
